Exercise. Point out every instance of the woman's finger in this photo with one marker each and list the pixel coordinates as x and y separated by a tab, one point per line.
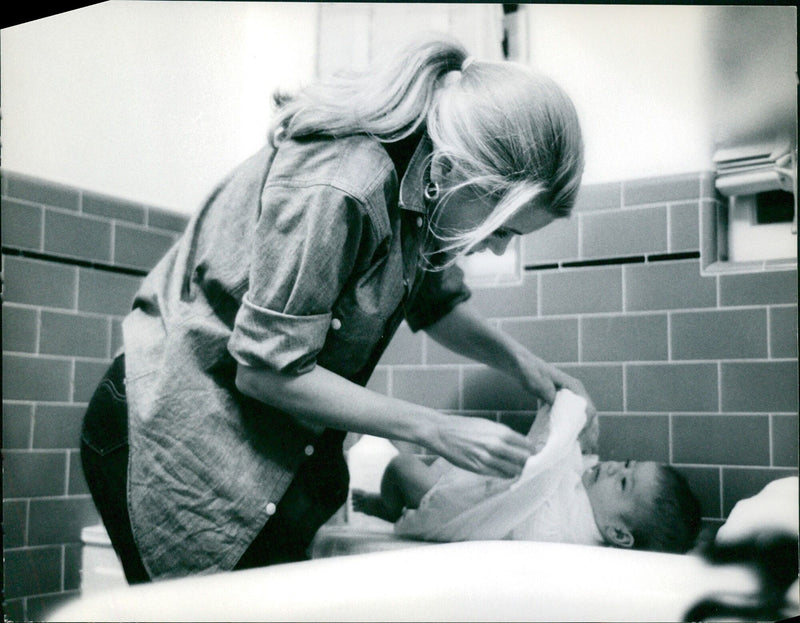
516	452
508	469
493	465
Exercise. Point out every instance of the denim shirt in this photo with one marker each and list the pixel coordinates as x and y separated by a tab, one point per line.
307	254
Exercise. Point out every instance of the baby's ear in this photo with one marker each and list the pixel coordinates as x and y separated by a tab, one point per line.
618	535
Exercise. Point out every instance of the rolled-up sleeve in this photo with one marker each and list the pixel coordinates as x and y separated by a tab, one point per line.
439	292
305	248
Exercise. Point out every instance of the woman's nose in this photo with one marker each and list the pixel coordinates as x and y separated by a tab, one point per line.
497	246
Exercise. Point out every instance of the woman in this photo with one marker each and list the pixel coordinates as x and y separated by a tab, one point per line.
215	441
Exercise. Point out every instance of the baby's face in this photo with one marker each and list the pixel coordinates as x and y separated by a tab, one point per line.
617	490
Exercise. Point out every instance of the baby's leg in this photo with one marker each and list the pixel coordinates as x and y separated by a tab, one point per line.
405	481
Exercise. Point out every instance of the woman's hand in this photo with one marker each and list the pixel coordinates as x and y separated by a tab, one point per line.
321	399
481	446
544	379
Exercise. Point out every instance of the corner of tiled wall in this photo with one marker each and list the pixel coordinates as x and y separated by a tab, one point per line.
72	261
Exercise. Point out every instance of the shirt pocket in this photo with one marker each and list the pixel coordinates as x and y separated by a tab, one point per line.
353	335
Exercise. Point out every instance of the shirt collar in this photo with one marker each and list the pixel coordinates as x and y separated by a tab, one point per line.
415	178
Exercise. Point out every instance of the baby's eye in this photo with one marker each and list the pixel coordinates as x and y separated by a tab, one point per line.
624	483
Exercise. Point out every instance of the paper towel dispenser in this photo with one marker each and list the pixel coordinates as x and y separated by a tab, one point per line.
760	184
756	168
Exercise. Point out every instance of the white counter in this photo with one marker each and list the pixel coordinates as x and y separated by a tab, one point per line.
476	581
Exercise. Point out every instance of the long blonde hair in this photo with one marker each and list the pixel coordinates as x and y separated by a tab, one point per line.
500	129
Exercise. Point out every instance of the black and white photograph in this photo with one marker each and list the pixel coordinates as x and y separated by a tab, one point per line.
386	311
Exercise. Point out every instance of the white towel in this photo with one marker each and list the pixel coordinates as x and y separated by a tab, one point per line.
547	502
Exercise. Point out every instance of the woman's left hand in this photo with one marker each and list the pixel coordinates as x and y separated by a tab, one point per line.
544	379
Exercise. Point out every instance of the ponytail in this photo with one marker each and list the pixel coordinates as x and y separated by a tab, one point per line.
390	101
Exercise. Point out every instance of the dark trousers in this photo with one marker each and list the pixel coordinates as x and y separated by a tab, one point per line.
104	455
318	489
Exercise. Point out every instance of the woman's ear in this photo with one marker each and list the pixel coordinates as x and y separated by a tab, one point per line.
618	535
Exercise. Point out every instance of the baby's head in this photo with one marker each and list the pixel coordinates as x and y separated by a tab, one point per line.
643	505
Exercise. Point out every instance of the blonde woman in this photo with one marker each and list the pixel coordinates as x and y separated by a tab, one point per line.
215	441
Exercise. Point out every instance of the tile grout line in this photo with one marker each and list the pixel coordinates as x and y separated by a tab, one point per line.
669	229
38	340
635	312
31	428
113	242
624	388
76	292
771	443
670	439
41	233
669	336
72	380
623	289
63	565
72	261
769	331
66	473
26	539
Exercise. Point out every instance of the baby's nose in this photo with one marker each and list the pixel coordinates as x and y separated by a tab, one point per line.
614	467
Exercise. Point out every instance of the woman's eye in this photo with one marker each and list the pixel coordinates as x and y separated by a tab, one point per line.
501	233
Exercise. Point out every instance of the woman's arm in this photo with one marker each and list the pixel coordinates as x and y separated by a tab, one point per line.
321	399
463	331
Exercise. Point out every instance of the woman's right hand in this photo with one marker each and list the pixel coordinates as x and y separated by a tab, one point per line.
481	446
322	399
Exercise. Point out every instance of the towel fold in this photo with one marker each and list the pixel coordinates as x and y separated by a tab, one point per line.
547	502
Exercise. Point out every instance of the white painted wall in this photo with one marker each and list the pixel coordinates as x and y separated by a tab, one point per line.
639	78
155	101
148	101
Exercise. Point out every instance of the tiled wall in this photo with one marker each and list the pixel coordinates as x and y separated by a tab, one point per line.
700	371
72	261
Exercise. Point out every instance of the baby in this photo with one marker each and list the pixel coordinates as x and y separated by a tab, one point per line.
561	496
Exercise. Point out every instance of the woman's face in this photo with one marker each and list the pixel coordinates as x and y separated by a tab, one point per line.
464	211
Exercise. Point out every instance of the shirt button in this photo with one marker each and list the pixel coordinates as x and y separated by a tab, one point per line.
309	450
419	221
271	508
336	324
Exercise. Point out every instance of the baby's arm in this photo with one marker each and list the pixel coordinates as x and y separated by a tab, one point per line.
405	481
